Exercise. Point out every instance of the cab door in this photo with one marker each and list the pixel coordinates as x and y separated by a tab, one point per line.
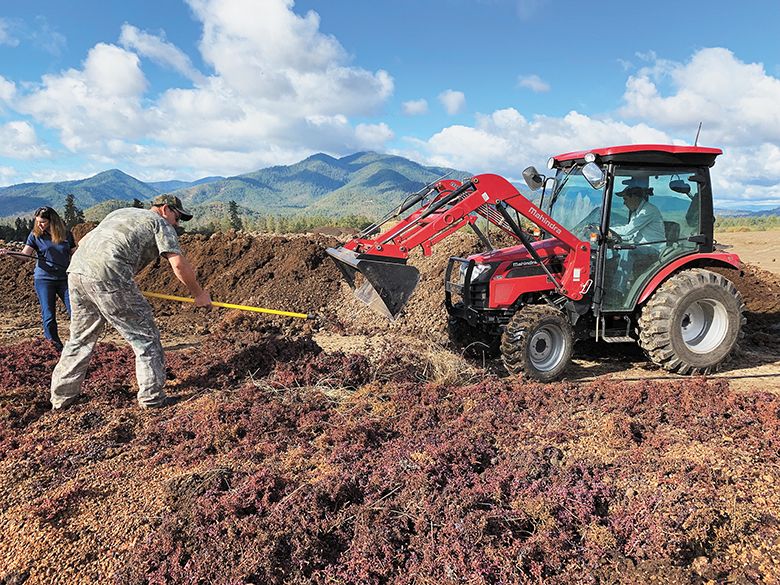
671	215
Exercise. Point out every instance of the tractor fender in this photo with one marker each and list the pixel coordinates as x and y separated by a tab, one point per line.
721	259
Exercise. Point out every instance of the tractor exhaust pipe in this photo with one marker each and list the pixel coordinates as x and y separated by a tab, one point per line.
386	283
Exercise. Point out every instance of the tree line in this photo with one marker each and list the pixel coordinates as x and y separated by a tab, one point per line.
277	224
22	226
231	219
747	223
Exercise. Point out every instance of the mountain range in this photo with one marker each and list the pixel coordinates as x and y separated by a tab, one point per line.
364	183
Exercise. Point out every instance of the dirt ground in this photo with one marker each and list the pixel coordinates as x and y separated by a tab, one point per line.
759	249
349	449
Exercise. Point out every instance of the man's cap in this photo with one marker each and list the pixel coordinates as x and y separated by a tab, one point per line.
173	202
633	192
635	187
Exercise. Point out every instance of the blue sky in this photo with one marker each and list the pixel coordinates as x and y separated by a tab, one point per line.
181	89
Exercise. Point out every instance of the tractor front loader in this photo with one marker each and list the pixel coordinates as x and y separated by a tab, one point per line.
624	260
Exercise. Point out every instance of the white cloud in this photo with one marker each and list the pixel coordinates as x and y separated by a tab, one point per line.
279	88
534	83
743	115
50	175
280	57
100	102
18	140
7	176
6	36
505	141
415	107
153	163
373	136
159	51
663	103
453	101
7	89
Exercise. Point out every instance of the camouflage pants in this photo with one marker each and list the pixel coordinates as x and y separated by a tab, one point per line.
93	304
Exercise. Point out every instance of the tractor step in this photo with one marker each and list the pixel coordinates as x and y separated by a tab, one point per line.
618	339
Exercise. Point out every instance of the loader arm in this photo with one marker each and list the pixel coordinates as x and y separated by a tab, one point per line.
381	260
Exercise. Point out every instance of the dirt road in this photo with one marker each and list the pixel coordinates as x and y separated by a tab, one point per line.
761	249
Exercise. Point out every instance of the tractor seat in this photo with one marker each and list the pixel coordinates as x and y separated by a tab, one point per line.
672	233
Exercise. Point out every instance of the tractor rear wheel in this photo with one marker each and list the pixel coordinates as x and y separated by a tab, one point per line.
538	343
472	342
693	323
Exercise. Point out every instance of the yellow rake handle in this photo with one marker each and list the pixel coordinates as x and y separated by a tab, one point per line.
228	305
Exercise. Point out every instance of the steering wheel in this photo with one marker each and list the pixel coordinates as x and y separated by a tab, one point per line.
590	228
614	236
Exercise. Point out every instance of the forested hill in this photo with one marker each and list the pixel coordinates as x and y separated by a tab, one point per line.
364	183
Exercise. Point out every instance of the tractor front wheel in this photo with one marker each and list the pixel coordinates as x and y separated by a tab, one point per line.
692	323
538	343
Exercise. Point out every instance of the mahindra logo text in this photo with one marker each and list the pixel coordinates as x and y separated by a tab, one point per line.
546	222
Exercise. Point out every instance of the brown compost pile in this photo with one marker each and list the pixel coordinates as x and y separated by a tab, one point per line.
286	463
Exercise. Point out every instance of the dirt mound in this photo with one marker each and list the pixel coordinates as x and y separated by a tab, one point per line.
275	272
293	273
16	284
82	229
760	290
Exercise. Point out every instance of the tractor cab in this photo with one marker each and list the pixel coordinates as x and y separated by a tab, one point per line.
640	209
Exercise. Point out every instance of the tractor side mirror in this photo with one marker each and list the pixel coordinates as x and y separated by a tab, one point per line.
594	175
533	179
680	186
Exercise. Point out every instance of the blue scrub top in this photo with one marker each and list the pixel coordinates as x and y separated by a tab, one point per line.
53	259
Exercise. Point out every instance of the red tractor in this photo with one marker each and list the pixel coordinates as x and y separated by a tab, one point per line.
621	253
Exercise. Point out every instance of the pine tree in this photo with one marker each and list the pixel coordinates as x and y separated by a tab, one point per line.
72	215
233	217
20	233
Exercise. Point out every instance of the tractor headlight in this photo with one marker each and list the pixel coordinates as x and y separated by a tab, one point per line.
479	269
462	272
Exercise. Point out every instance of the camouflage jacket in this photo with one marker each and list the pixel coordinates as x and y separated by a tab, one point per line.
122	244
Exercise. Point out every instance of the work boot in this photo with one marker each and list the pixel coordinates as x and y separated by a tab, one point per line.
167	401
68	402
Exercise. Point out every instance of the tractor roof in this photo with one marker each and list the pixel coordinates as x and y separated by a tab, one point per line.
663	154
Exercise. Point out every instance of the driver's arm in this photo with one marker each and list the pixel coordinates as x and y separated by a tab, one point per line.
634	227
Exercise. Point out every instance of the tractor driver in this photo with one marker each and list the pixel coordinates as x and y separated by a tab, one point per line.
644	229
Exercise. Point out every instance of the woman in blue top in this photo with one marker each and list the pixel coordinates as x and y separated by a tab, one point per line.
52	243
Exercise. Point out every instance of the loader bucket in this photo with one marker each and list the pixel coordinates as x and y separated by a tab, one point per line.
385	285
